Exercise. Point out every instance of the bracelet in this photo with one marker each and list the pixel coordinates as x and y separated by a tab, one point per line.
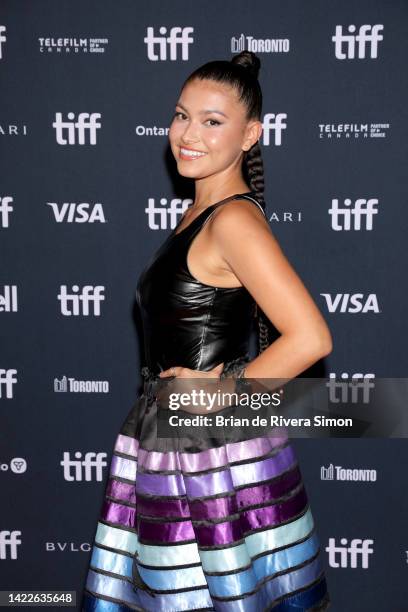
242	385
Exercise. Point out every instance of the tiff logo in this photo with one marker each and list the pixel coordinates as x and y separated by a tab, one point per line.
5	209
355	555
76	303
351	302
80	469
159	216
273	123
350	390
2	39
8	544
350	216
8	301
7	380
367	34
158	46
74	132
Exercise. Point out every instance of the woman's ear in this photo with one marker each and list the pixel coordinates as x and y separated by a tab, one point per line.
252	134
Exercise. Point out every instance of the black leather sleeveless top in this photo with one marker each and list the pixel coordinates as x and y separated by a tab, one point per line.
185	322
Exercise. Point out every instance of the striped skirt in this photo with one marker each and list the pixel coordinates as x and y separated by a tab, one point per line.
227	527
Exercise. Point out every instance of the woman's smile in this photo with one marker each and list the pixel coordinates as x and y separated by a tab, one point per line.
189	154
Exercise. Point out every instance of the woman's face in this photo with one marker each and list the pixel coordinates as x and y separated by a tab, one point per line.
210	122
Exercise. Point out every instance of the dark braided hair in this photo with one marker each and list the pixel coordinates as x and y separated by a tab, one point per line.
242	74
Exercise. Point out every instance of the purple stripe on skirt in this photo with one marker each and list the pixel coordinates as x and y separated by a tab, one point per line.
227	532
118	514
127	445
216	482
121	491
209	508
204	460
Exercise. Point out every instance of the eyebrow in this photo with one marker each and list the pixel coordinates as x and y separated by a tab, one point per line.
204	112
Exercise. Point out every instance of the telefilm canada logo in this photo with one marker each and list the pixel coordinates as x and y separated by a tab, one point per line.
352	131
72	45
245	42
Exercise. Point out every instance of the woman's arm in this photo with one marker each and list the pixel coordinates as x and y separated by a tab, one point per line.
245	242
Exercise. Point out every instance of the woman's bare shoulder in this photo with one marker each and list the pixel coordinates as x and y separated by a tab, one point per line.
238	215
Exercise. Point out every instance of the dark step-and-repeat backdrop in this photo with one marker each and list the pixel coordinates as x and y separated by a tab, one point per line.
89	190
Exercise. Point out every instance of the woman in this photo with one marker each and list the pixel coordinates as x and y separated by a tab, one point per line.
202	524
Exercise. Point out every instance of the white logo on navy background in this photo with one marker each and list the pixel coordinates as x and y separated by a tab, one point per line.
3	39
80	132
9	542
351	302
88	467
71	212
167	47
79	303
7	380
356	554
352	214
346	45
165	214
259	45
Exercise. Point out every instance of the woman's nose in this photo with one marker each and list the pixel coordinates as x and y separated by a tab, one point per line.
190	134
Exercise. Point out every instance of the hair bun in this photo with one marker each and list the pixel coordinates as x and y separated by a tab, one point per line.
249	61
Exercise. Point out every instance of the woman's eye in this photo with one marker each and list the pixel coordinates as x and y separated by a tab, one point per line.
182	115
